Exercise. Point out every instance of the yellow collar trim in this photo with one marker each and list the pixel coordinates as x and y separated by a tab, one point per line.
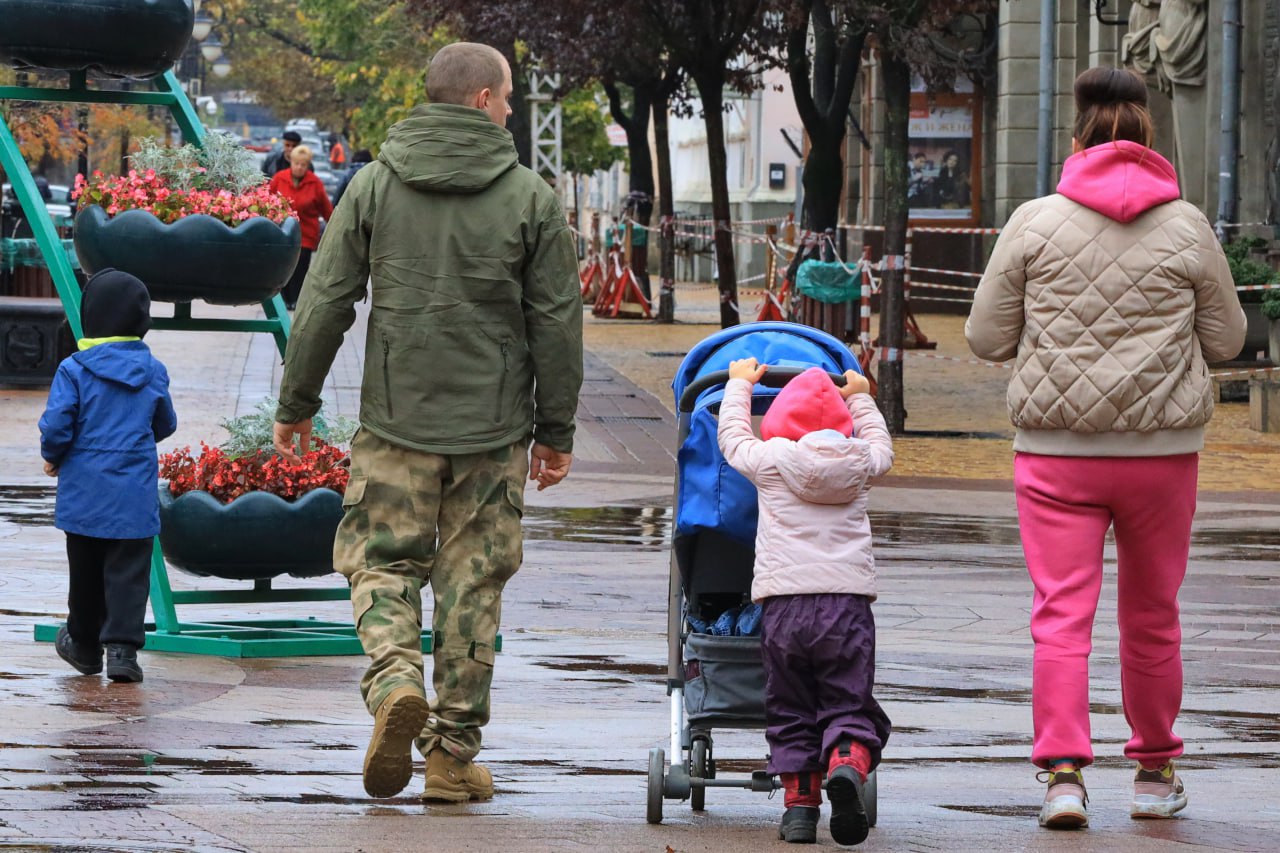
89	343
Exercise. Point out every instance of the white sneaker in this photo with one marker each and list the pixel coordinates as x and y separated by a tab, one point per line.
1064	800
1157	793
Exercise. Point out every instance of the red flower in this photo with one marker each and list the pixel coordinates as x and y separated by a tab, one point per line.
226	478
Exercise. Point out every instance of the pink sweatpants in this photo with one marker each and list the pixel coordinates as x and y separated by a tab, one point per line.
1065	505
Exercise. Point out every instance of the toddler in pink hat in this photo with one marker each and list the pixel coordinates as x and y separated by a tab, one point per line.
815	581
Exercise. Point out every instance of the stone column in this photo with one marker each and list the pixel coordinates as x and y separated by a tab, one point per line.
1017	87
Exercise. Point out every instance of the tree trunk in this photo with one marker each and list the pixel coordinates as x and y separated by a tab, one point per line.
824	179
640	159
897	96
640	165
667	212
711	92
519	120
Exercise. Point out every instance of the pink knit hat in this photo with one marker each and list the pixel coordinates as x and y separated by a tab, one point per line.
808	403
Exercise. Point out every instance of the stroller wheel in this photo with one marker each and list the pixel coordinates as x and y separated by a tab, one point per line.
699	768
657	772
869	798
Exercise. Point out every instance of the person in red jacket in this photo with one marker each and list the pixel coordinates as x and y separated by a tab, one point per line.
311	203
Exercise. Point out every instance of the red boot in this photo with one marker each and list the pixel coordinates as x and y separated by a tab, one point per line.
802	789
846	774
850	753
802	797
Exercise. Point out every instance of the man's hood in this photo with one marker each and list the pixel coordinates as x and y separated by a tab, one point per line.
824	467
127	363
1121	180
448	148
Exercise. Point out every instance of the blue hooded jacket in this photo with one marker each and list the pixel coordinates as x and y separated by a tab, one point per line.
108	406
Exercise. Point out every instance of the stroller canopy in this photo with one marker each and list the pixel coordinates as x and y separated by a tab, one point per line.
711	496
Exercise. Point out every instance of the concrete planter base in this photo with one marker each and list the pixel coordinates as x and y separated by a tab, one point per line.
1264	404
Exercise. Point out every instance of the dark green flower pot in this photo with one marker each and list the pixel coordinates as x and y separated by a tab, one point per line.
197	257
122	38
256	536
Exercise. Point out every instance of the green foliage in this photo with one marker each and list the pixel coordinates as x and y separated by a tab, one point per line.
1271	304
586	144
220	165
1247	272
253	432
357	65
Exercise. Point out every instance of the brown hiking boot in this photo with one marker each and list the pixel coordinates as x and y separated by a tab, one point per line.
452	781
388	765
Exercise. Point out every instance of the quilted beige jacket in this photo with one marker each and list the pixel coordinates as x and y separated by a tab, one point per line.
1110	295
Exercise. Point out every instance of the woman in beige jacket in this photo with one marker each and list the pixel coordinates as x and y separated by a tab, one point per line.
1110	295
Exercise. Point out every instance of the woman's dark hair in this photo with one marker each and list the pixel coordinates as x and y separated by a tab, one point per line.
1111	104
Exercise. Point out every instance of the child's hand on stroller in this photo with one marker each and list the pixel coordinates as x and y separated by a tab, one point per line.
748	369
854	383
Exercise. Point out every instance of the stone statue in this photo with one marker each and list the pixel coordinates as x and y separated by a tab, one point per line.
1136	49
1167	43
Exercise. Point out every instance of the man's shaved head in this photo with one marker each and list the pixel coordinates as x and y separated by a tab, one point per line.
460	71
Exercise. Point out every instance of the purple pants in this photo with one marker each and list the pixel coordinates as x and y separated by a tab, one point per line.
819	656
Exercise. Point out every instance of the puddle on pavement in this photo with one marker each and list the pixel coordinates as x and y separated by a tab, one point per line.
27	505
654	672
121	763
912	693
648	528
33	846
636	528
998	811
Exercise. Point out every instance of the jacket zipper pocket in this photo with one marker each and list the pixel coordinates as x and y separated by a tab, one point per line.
502	383
386	375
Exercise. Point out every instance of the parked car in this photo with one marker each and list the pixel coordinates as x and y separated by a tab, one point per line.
60	204
326	175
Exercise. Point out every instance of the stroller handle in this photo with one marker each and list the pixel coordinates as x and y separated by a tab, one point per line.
774	377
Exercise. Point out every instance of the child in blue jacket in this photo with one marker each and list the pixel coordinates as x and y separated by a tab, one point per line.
108	406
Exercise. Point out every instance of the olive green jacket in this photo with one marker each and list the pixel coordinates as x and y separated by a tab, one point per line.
475	331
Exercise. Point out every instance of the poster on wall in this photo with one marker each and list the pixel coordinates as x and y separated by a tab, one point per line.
942	174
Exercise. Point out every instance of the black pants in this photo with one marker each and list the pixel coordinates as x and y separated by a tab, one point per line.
110	579
293	289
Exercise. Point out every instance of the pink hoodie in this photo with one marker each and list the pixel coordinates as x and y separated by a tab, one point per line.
1121	180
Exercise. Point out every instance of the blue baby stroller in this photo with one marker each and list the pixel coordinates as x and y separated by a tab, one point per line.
716	681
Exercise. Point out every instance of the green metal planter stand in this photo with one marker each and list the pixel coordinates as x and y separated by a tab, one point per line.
248	638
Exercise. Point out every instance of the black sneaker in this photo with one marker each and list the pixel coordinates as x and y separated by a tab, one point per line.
122	664
799	825
86	659
848	813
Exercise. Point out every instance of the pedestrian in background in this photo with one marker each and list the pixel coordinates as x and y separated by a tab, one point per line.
362	157
474	351
1110	295
337	152
311	204
108	406
815	579
278	161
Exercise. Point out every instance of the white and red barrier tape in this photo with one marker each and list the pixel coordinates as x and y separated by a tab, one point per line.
1248	372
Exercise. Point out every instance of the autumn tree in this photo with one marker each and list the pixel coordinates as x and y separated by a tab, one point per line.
720	45
823	81
912	37
587	41
49	136
353	64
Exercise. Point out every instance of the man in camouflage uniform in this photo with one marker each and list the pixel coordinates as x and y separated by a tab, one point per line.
473	365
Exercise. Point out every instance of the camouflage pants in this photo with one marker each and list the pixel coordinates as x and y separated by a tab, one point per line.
453	522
